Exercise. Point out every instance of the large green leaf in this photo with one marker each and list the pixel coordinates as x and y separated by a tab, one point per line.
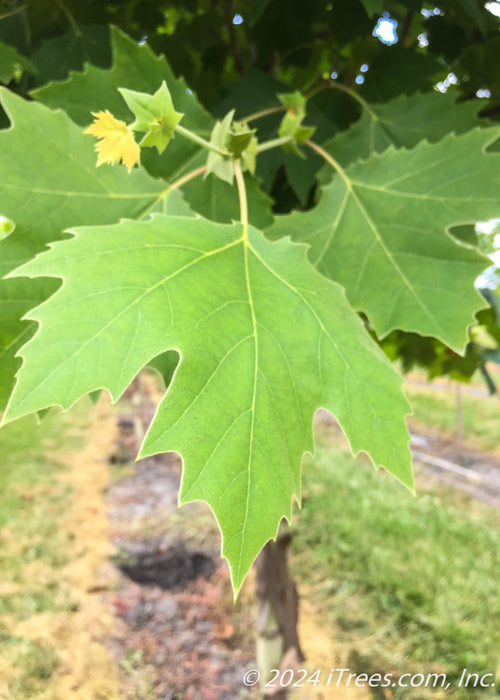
263	338
380	229
44	195
403	121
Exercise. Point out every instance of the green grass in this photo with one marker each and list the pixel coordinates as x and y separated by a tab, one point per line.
409	583
32	503
436	409
36	663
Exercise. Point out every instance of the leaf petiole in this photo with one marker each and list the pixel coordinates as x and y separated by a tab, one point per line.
186	178
242	193
200	141
333	85
274	143
264	113
329	159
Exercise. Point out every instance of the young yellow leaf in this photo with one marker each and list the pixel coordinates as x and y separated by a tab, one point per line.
116	140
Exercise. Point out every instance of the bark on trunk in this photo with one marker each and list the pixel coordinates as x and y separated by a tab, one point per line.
278	645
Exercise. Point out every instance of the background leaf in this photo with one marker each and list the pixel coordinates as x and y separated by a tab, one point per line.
404	121
135	67
58	55
379	229
12	62
397	70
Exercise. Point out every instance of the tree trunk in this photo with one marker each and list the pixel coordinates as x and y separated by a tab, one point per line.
278	645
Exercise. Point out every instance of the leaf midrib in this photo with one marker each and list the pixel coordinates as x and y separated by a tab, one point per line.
246	246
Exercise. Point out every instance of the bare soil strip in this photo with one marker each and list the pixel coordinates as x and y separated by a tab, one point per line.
86	670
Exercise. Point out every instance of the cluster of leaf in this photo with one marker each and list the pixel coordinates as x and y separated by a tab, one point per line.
158	265
213	41
232	48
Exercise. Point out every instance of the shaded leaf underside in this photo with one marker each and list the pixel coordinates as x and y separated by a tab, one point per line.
240	407
263	338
